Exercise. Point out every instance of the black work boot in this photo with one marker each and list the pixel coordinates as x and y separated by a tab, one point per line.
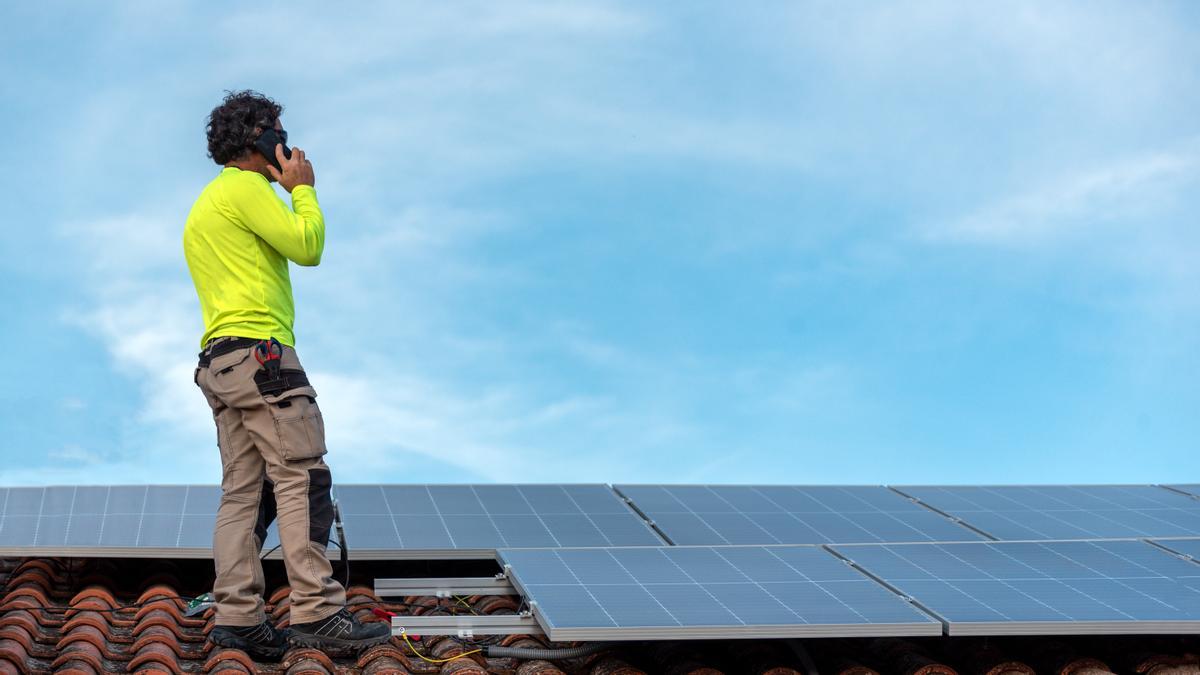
263	642
339	634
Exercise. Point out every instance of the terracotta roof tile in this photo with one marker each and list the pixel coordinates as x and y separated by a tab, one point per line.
171	620
383	658
986	659
96	620
156	656
76	668
538	668
82	656
464	667
74	617
1160	664
24	619
14	655
222	660
307	662
908	658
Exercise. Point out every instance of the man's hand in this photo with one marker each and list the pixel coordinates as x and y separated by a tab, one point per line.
296	171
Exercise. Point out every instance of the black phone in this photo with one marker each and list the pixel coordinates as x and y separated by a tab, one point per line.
266	142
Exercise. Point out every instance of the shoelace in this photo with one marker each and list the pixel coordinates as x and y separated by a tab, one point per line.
261	633
339	622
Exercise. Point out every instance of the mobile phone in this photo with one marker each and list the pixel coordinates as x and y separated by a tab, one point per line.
266	142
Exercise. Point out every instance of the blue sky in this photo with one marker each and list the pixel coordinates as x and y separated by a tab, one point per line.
929	242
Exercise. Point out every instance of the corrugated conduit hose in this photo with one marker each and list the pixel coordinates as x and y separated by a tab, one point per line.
547	654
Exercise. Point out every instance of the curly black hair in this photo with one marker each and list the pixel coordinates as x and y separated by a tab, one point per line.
232	125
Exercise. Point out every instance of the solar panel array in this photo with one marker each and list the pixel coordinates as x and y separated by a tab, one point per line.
1066	511
710	515
381	521
706	592
735	560
1074	587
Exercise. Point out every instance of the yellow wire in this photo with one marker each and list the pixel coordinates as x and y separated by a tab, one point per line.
429	660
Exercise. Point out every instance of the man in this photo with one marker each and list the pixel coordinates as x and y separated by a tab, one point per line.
238	240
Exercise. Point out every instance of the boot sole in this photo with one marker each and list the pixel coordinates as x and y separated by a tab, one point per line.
254	650
336	646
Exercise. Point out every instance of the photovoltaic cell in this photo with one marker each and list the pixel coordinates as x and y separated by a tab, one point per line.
781	514
1066	511
706	592
1026	588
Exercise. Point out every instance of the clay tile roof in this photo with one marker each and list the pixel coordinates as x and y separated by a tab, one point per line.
98	616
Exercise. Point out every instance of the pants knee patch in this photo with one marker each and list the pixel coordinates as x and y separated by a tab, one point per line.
320	505
266	510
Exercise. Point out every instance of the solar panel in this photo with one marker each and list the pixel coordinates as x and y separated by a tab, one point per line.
782	514
1066	511
381	521
473	520
706	592
61	520
1029	588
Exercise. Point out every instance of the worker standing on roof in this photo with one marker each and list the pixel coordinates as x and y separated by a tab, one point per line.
238	239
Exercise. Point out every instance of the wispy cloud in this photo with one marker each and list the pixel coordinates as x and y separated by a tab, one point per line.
1085	203
148	321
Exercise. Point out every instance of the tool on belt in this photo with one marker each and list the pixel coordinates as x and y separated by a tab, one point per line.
271	379
269	354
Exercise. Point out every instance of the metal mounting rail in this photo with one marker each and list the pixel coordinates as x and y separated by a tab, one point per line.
444	587
467	627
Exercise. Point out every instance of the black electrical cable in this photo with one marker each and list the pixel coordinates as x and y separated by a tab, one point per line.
341	544
122	608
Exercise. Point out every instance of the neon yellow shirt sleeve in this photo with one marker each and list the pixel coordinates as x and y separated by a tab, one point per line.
297	233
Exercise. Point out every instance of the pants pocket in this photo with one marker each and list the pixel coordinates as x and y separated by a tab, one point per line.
225	363
298	423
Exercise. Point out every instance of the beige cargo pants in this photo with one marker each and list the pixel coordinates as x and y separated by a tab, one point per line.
271	437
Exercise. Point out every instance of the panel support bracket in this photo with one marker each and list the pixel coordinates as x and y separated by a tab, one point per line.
444	587
466	627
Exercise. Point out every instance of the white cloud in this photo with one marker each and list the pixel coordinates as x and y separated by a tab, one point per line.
73	404
1082	203
380	415
75	454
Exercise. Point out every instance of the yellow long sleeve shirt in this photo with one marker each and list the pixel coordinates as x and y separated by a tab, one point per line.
237	240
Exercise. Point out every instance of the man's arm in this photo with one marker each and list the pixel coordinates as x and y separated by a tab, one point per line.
297	233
